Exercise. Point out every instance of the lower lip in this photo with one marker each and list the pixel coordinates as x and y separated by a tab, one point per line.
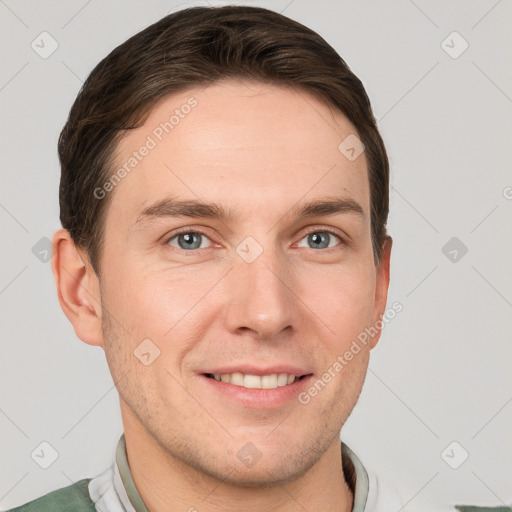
260	398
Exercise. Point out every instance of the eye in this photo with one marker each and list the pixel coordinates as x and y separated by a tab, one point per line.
320	240
192	240
188	240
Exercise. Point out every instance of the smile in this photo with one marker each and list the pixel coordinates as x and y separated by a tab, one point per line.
249	381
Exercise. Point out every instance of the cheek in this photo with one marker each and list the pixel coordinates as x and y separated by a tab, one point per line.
159	302
342	298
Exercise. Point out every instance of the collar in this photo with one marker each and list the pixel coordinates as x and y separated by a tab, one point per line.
128	485
353	470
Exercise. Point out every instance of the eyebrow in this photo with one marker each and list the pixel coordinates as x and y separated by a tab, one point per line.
171	207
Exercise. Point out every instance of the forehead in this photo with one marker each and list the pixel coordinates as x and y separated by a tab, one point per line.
244	145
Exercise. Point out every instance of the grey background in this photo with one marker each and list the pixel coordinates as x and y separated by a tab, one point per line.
441	372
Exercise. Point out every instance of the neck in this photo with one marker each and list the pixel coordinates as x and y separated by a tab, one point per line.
163	480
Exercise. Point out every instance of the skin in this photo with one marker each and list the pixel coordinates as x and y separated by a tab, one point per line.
258	150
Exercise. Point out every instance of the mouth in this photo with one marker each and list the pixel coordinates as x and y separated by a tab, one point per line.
251	381
256	386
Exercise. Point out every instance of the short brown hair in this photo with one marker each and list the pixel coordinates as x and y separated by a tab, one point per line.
193	47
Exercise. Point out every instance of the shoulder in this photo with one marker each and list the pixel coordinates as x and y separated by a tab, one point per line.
74	498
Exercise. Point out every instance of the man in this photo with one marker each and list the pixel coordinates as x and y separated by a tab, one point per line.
224	198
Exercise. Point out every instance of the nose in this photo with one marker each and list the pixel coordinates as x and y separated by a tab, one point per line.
262	299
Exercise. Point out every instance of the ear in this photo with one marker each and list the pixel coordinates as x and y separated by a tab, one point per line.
78	288
381	287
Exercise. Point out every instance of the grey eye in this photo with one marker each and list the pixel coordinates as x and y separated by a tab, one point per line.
320	240
187	241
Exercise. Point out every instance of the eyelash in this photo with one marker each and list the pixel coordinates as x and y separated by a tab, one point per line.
199	232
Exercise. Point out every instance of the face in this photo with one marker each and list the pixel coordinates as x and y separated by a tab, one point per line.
238	252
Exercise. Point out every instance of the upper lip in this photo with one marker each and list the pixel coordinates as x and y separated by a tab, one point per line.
248	369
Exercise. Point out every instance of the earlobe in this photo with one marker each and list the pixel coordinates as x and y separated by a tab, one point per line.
77	288
381	288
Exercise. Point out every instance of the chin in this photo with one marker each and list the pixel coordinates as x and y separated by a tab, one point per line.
248	467
262	475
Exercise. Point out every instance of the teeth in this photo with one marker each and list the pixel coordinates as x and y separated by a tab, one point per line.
269	381
255	381
282	379
252	381
236	378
